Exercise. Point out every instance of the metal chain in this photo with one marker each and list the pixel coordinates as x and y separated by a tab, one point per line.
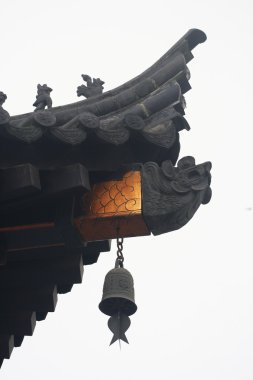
120	257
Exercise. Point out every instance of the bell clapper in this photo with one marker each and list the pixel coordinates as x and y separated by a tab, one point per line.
119	324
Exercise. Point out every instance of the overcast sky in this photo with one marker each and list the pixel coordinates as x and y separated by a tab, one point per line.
194	287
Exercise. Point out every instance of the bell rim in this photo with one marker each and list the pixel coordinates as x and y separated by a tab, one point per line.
134	306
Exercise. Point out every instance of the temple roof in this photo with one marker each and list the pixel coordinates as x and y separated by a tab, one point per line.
145	112
74	177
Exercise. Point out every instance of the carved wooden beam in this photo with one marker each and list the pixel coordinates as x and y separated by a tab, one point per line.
19	181
42	299
21	323
26	184
6	346
93	249
18	340
41	273
113	208
154	199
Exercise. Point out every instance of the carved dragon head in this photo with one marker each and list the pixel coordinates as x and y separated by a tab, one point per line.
172	195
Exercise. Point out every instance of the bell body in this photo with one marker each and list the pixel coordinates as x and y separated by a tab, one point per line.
118	293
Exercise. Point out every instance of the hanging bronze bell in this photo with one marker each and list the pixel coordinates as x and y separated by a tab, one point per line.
118	300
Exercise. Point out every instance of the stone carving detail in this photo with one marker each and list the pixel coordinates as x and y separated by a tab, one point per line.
4	116
43	98
171	195
45	119
94	87
24	130
112	130
161	129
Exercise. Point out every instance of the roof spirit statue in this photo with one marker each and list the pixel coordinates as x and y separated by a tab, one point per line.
94	87
43	98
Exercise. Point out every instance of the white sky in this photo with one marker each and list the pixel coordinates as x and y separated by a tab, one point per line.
194	287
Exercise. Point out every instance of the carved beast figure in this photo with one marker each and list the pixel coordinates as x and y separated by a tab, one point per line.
94	87
172	195
43	98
